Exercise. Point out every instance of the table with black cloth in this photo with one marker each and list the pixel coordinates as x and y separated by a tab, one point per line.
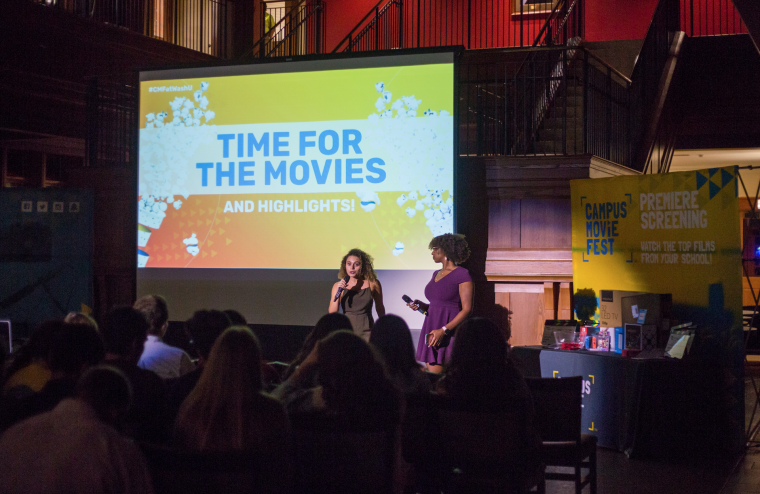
645	407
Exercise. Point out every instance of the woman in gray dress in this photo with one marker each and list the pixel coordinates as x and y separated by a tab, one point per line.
358	293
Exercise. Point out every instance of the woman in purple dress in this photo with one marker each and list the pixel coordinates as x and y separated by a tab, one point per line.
450	294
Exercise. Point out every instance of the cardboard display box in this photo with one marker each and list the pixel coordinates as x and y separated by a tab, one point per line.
611	307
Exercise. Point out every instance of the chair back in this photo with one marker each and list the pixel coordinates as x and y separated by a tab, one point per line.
187	472
476	438
339	455
558	407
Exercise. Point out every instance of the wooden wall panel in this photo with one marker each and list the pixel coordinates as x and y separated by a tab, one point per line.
545	224
504	224
565	311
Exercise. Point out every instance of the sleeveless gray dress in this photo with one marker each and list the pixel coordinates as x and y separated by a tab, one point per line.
357	306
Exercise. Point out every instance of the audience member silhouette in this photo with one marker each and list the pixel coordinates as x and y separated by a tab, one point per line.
73	349
204	328
124	332
227	410
80	318
351	383
166	361
481	377
392	339
29	371
74	448
236	318
327	324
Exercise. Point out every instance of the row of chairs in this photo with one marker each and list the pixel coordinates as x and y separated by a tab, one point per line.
452	449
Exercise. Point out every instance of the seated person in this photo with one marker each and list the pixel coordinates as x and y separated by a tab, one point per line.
29	370
481	378
166	361
227	411
124	332
80	318
327	324
236	318
204	328
392	339
73	349
75	448
350	382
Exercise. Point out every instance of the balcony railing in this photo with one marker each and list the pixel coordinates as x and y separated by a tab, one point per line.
547	101
473	24
710	18
200	25
299	30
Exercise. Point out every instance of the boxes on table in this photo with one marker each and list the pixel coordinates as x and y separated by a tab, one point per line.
610	307
658	307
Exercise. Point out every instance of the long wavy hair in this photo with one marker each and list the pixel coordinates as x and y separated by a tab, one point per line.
480	370
354	382
391	337
218	413
329	323
367	272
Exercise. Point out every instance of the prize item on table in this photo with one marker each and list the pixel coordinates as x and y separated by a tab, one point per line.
619	339
611	307
567	340
552	325
681	339
603	339
633	340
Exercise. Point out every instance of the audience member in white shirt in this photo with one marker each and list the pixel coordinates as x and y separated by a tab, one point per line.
166	361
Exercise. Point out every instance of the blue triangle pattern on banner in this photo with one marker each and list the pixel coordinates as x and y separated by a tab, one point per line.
725	177
713	171
701	180
714	189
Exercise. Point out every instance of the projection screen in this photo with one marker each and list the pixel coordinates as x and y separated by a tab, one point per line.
255	180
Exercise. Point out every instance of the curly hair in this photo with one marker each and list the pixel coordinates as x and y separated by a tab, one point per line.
453	245
368	272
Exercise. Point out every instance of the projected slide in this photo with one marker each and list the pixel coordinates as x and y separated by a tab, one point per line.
290	169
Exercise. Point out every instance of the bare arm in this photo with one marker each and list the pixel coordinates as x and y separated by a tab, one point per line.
377	296
465	295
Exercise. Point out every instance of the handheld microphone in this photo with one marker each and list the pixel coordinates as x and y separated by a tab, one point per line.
409	300
340	289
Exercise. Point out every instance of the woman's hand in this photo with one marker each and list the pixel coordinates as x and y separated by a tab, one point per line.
343	284
434	337
416	304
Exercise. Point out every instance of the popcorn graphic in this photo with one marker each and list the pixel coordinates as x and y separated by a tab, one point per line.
398	249
142	258
177	204
192	245
204	86
143	234
368	200
425	145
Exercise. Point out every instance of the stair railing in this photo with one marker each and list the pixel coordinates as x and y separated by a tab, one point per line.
300	31
651	78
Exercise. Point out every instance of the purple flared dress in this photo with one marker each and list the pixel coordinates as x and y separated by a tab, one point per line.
443	296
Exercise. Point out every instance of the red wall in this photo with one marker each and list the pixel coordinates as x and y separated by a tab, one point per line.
605	20
608	20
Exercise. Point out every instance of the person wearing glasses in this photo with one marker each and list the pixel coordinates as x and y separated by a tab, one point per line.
358	293
450	300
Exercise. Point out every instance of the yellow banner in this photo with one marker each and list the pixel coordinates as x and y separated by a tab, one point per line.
667	233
